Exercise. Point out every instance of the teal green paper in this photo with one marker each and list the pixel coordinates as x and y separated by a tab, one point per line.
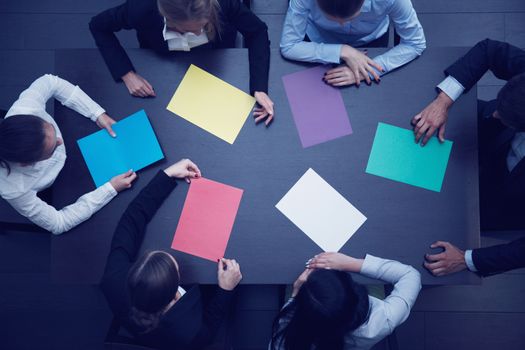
135	147
396	156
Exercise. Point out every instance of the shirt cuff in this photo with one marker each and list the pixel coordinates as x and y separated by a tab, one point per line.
330	53
370	266
109	190
451	87
469	261
97	113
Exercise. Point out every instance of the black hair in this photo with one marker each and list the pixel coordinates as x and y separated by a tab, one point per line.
153	281
328	307
340	8
22	140
511	102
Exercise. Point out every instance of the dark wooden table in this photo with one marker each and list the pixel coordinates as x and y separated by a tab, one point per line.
402	220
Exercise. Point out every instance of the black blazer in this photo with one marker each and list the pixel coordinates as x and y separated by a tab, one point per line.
144	17
505	61
500	258
189	324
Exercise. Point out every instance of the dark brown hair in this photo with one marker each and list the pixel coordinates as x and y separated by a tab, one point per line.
184	10
340	8
153	281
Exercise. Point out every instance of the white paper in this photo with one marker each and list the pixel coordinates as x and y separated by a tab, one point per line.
321	212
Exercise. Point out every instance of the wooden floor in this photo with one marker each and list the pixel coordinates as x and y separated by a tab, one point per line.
37	314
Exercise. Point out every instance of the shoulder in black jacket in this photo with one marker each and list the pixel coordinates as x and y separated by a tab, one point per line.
143	16
500	258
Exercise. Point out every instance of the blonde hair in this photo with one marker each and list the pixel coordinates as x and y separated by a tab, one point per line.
186	10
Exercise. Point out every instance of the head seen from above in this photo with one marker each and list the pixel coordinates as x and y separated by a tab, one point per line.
511	103
340	10
153	281
328	306
191	16
26	139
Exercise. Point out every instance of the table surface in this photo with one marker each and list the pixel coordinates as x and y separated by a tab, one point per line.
402	220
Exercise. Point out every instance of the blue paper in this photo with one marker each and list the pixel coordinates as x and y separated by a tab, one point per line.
135	147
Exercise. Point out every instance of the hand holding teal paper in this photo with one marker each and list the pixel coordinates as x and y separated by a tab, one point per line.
395	156
135	147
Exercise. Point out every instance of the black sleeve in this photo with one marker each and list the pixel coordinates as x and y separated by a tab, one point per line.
500	258
103	27
255	33
128	238
214	314
504	60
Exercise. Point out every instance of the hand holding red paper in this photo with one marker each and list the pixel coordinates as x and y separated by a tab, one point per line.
228	274
184	168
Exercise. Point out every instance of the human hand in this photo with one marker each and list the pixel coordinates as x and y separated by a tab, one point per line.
360	64
184	168
340	76
104	121
449	261
123	181
228	274
432	118
137	85
265	111
336	261
300	281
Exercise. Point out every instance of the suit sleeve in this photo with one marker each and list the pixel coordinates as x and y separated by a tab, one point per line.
128	238
500	258
103	27
255	33
504	60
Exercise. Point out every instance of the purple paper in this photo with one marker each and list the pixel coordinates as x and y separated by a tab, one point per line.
317	108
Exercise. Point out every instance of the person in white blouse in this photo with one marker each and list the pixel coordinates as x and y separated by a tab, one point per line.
329	311
32	154
329	31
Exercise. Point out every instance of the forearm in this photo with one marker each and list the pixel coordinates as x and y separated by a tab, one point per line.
259	57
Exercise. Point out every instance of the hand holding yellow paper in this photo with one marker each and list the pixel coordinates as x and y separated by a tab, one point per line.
211	104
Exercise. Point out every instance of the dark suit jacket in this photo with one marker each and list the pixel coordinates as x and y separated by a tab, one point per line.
500	258
189	324
505	61
144	17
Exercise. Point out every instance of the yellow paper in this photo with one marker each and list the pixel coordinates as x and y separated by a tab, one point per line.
212	104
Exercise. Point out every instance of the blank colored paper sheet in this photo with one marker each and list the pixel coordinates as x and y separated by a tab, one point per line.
321	212
135	147
396	156
207	219
317	108
211	104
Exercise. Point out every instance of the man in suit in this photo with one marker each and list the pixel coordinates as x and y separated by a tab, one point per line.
501	127
484	261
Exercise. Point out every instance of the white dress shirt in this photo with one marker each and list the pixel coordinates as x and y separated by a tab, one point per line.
328	36
383	315
183	42
453	89
21	185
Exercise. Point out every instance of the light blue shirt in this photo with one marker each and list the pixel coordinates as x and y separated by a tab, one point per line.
327	36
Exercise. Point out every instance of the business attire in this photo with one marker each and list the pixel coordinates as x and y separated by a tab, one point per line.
502	169
383	315
497	259
188	324
144	17
305	18
20	186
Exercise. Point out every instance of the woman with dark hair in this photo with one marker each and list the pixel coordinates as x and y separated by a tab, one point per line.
329	311
145	293
32	154
329	31
182	25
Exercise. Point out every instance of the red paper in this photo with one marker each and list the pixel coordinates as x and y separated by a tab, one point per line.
207	219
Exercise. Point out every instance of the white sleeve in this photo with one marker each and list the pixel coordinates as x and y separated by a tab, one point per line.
451	87
407	284
60	221
469	261
34	98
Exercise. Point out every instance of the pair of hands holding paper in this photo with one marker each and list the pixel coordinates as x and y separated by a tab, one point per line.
328	261
140	87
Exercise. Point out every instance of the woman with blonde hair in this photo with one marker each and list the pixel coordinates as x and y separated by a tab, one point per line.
183	25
